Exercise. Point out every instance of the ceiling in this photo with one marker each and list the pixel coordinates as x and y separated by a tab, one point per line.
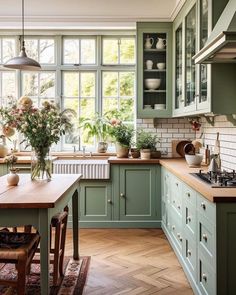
86	13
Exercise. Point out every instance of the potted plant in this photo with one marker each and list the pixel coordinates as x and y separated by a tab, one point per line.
123	136
146	142
99	127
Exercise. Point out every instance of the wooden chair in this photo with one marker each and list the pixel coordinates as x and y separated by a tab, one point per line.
19	249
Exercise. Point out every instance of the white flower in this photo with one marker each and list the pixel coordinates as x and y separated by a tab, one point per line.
40	125
34	130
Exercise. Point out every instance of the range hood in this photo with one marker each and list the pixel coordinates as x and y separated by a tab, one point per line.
221	44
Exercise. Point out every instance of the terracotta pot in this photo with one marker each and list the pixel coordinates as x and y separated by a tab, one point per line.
135	153
102	147
13	178
121	151
155	154
145	154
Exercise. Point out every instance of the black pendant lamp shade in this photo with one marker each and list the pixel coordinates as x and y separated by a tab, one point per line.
22	62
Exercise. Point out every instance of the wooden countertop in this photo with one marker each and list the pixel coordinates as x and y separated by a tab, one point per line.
23	159
179	168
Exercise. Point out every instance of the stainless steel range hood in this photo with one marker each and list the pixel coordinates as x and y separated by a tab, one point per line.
221	44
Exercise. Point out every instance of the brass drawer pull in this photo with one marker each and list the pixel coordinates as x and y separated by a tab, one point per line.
188	194
204	277
189	218
122	195
204	236
189	253
109	201
203	205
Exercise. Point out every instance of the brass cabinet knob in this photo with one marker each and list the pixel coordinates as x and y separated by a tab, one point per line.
189	253
188	194
203	205
173	227
178	206
189	218
109	201
122	195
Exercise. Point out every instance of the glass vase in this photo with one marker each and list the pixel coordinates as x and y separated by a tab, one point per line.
41	164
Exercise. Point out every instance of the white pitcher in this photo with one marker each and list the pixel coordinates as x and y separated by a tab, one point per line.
161	43
148	43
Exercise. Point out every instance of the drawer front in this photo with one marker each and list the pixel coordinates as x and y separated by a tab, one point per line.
207	209
176	230
206	277
189	219
189	194
166	185
207	239
190	255
176	194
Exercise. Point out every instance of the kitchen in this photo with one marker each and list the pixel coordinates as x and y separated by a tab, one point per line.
174	99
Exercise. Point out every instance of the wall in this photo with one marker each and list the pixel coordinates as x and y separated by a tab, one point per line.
168	130
227	139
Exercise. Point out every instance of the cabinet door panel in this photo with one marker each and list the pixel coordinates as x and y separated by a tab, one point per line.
96	202
137	193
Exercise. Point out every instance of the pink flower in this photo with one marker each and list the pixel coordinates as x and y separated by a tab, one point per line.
115	122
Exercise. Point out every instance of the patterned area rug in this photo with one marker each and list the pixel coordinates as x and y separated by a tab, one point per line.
72	283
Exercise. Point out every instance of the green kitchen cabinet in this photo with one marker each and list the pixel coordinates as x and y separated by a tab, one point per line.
95	200
199	89
137	194
154	61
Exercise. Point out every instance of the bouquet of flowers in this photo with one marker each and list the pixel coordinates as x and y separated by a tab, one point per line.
11	161
41	127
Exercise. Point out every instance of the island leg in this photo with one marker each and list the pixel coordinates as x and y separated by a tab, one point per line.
75	216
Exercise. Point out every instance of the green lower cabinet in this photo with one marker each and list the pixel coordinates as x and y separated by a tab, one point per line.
95	201
3	169
137	192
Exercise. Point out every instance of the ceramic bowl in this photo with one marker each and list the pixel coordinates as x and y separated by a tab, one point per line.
152	84
159	106
194	160
161	65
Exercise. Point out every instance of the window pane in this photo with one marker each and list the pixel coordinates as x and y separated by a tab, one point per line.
31	46
87	84
47	84
126	84
30	84
110	51
88	51
127	51
87	107
72	104
71	51
8	84
127	107
71	84
109	104
8	49
110	84
46	55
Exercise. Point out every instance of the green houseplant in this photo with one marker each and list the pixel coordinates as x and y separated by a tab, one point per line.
146	143
100	128
123	136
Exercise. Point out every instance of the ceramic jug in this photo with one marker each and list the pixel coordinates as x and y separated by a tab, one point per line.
3	148
161	43
149	64
148	43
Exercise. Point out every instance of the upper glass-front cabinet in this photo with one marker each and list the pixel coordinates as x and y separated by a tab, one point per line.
154	69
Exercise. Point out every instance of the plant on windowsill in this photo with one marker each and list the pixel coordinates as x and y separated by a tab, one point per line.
146	143
123	137
99	127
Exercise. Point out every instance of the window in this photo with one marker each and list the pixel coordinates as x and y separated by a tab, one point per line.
92	74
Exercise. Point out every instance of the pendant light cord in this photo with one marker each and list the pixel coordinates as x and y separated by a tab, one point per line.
23	23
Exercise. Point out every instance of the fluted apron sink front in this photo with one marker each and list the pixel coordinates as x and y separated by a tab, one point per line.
89	168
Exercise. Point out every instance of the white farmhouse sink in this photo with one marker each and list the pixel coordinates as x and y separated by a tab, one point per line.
89	168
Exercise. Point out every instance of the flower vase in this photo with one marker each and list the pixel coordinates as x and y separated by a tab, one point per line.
41	165
13	177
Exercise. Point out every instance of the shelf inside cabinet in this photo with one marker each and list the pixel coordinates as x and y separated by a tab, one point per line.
155	50
155	70
154	91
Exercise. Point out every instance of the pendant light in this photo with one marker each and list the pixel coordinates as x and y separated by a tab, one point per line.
22	62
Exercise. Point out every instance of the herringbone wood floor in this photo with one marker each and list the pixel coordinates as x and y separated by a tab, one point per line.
130	261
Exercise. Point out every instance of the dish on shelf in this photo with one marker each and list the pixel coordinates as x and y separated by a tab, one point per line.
147	106
160	106
152	84
161	65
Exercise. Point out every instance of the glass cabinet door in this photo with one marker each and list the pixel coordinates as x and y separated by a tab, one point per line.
178	67
154	71
204	32
190	50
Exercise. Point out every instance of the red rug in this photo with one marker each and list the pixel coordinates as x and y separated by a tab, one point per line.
72	283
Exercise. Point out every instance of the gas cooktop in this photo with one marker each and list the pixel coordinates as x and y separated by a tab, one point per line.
219	179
